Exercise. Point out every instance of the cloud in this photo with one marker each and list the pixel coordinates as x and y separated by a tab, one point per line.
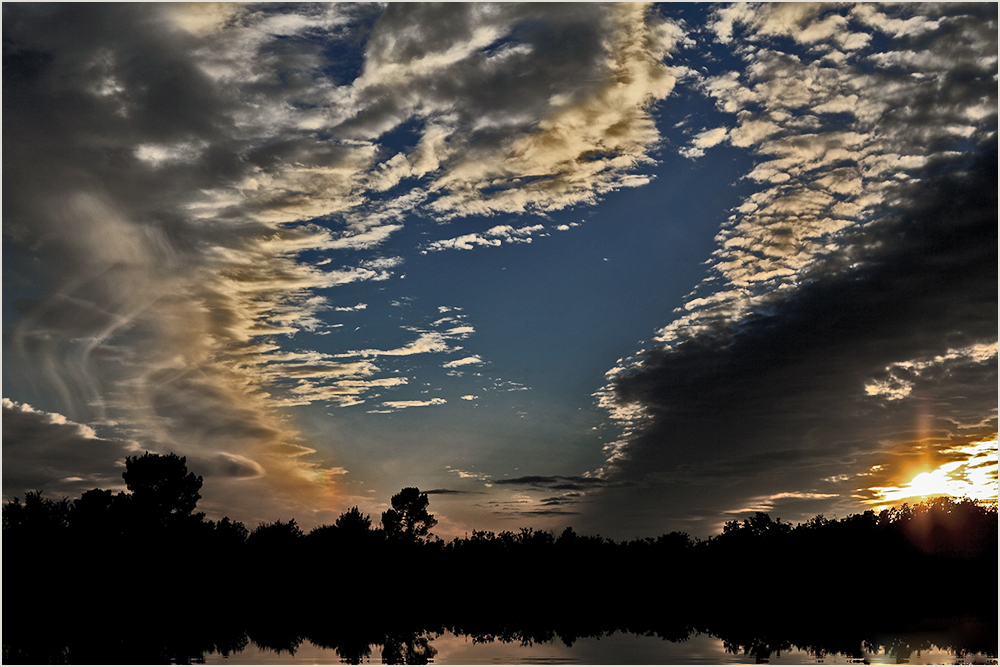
178	164
368	238
466	474
232	465
495	237
399	405
703	140
823	176
427	342
555	482
521	507
46	451
571	124
160	199
794	378
806	23
464	361
895	26
344	393
844	295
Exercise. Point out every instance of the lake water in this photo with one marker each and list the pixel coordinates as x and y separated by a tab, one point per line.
615	649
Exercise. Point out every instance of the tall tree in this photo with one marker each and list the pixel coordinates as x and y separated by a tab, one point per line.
162	488
408	520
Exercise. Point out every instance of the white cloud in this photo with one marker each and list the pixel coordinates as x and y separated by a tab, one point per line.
465	361
564	148
817	183
366	239
495	237
399	405
897	27
426	342
158	154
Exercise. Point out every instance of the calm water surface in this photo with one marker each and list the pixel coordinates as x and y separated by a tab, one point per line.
615	649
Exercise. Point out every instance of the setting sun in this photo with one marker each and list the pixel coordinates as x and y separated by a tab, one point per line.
974	477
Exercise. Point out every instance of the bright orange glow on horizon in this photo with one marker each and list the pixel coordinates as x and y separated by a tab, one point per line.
974	477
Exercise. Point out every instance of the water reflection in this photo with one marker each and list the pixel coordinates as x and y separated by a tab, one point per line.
448	648
367	637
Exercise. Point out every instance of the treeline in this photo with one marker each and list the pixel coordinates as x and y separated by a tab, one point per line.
149	550
158	512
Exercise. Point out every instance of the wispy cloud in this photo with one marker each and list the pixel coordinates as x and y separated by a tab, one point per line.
555	482
175	264
425	343
400	405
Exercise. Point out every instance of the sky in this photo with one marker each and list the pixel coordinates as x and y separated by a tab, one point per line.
627	268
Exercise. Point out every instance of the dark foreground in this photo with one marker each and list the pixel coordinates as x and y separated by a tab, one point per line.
167	631
140	578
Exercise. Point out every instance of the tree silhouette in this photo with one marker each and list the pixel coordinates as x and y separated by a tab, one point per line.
37	514
407	648
353	525
275	536
75	548
162	488
408	520
98	516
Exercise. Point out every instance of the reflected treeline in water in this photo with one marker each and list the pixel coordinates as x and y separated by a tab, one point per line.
140	577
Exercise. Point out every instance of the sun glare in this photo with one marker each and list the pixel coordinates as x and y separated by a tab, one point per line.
974	477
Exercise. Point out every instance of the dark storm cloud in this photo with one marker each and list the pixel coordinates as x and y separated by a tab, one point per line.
556	483
515	510
568	499
528	47
226	465
849	316
82	85
45	452
785	388
925	285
